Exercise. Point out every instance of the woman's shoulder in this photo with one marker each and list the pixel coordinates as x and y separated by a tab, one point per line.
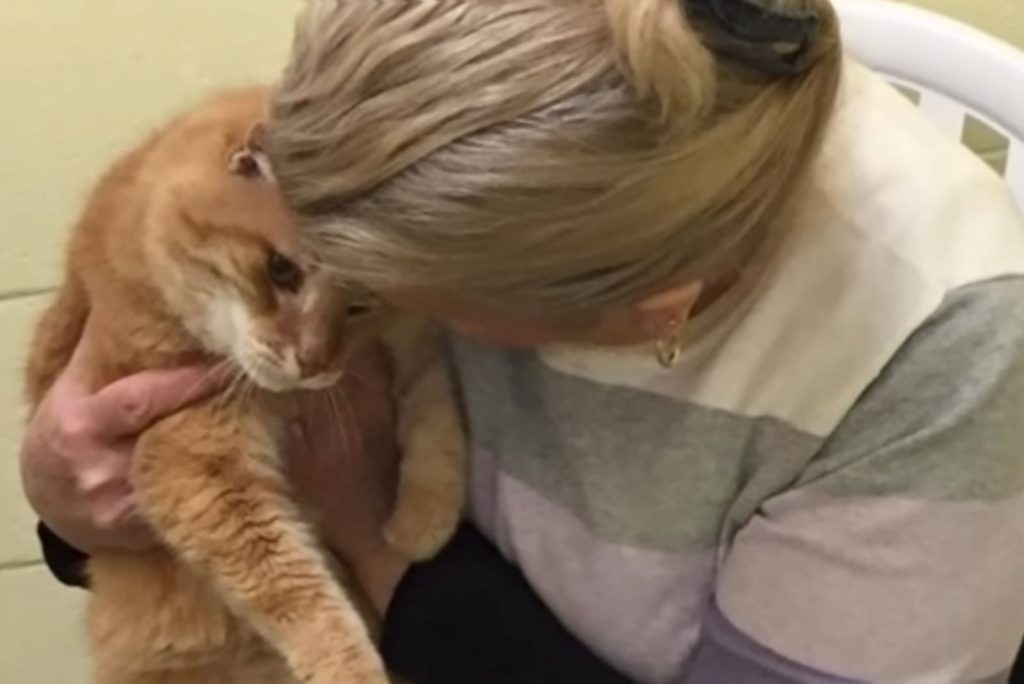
893	179
900	225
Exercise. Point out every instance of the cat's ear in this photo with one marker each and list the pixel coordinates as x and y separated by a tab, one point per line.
256	140
251	161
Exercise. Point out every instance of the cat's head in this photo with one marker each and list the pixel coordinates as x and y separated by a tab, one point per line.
228	254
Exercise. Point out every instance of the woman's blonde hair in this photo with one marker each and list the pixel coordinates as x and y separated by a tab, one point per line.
551	156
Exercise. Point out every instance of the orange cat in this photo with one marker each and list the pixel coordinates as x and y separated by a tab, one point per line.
187	253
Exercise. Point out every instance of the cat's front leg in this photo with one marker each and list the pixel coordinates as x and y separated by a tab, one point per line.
209	482
432	476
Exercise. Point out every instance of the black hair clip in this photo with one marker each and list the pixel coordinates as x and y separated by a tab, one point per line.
772	41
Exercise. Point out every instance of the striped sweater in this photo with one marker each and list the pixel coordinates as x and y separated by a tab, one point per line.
831	482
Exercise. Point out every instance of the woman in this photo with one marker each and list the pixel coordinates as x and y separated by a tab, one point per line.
740	339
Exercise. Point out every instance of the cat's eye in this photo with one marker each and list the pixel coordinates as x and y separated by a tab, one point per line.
361	301
284	273
361	308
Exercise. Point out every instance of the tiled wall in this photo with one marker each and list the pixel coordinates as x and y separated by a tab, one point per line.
81	79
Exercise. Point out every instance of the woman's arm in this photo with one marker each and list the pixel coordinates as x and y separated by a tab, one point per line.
65	561
899	555
77	452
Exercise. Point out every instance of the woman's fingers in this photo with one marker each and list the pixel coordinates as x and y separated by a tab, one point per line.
122	518
76	458
129	406
77	454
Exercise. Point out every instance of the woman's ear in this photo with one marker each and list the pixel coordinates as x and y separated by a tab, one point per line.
668	310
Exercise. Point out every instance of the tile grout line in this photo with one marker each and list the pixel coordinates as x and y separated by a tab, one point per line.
20	565
22	294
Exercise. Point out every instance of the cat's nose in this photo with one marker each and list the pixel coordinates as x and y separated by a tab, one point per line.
312	362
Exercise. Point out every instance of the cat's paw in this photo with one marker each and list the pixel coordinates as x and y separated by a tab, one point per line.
331	651
421	525
348	678
353	669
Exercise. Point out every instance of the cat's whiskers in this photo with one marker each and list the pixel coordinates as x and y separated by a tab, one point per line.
223	372
239	381
211	375
353	418
349	373
340	419
248	390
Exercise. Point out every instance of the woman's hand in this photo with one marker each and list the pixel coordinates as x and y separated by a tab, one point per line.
77	452
343	460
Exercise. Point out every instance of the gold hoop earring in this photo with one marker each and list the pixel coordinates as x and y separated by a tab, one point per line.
669	348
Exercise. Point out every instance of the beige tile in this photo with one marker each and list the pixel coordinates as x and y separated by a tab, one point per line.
17	522
41	630
92	78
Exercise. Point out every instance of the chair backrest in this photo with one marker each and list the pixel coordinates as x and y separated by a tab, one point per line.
958	72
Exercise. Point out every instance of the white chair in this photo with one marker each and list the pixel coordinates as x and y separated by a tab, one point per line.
958	71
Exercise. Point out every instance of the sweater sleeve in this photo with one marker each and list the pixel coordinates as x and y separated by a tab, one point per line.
898	555
65	561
